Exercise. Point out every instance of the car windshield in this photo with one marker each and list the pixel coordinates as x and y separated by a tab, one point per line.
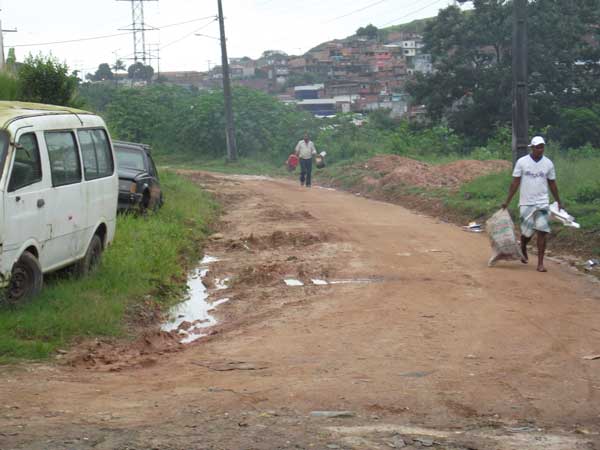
3	149
131	159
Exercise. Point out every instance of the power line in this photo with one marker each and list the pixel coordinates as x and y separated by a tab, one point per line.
106	36
189	34
411	13
370	5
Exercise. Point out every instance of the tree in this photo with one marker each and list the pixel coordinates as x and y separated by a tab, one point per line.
471	86
119	66
45	80
139	71
370	31
103	73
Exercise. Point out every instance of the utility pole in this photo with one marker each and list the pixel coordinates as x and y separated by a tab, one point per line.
230	128
520	120
138	29
2	31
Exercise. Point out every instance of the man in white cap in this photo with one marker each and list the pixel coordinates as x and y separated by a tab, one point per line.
534	173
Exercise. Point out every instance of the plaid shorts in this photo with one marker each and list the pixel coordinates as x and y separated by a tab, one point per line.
534	218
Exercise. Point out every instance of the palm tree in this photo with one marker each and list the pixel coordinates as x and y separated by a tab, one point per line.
118	65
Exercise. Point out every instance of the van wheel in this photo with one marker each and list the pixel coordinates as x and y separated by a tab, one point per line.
89	263
26	279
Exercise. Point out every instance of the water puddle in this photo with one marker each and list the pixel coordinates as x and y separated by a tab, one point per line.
318	282
191	316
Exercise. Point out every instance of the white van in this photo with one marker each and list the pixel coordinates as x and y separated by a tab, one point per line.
58	189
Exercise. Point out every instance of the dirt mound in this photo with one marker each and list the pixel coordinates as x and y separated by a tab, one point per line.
278	214
262	274
279	239
390	170
116	356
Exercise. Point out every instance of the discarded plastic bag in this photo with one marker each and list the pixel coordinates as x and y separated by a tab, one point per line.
563	216
501	231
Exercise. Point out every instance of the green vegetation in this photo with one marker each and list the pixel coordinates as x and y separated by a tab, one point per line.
45	80
471	90
190	124
144	268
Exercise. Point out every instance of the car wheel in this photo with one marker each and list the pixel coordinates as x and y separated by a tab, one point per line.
158	204
26	279
90	262
145	203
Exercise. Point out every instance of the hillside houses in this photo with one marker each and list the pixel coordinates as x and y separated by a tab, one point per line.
354	74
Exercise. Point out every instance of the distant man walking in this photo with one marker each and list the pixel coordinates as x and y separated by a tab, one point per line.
534	173
305	149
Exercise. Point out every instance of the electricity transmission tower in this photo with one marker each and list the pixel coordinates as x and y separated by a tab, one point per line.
138	28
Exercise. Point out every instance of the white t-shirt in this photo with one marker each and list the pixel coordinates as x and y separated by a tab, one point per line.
534	180
306	150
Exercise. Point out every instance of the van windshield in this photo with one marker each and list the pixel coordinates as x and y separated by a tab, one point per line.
130	159
3	149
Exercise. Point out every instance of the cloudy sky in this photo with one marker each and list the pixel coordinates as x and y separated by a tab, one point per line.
252	26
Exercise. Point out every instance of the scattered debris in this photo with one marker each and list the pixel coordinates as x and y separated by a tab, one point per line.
425	442
473	227
416	374
330	414
226	366
396	442
591	264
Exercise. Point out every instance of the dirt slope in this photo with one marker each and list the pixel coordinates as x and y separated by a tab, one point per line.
426	348
384	172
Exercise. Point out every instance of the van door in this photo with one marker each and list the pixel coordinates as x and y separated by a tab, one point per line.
25	205
67	210
99	185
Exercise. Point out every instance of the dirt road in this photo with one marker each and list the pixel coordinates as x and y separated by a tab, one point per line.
418	341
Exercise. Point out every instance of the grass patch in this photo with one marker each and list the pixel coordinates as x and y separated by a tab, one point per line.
243	166
148	256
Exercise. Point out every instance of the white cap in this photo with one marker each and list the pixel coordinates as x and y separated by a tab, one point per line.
537	140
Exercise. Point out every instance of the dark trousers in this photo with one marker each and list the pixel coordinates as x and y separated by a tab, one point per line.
305	171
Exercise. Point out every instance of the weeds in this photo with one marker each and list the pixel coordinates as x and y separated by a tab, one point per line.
145	264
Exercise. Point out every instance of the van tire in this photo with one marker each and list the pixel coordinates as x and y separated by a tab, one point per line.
26	279
90	262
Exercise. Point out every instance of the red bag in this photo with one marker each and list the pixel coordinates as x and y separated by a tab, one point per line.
292	162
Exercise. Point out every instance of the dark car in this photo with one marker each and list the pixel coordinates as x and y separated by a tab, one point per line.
139	186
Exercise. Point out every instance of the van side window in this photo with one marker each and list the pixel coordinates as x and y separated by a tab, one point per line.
96	153
26	169
64	157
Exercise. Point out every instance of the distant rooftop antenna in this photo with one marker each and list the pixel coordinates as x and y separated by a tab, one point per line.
138	28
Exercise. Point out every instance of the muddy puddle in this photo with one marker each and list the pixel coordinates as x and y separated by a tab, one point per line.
318	282
192	316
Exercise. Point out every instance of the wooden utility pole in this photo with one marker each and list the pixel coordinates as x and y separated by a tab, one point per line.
229	127
520	120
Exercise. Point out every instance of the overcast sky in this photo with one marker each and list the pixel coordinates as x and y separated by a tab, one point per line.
252	26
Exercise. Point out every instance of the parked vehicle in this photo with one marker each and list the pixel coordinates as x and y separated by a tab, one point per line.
58	194
139	185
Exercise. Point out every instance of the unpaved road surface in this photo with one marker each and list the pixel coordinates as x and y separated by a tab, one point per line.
423	345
